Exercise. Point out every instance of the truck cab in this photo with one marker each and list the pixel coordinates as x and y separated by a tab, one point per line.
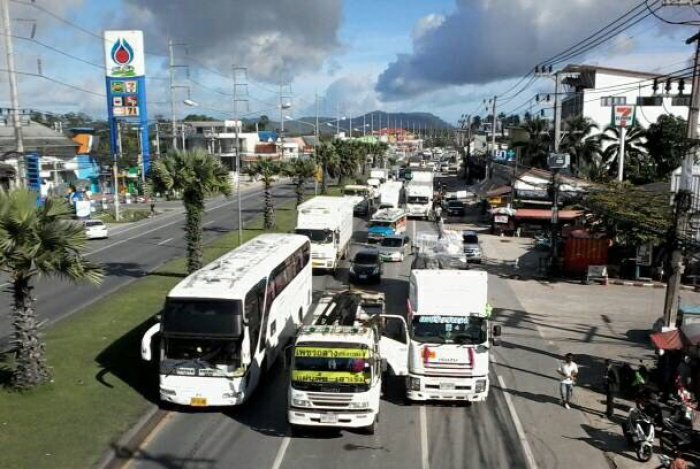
336	363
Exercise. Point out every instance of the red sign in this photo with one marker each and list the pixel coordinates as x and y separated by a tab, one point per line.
623	116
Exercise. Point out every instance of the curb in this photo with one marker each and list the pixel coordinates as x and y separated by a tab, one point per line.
628	283
122	450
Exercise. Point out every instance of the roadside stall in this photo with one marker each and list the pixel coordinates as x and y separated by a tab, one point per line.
503	220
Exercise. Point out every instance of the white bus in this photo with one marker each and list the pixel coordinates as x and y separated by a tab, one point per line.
224	325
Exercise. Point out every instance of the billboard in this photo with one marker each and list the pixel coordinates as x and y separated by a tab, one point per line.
623	116
125	72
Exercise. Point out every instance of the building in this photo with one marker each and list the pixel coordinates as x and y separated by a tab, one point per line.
592	91
60	164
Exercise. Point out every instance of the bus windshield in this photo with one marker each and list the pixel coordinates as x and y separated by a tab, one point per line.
470	330
381	223
325	366
202	317
316	236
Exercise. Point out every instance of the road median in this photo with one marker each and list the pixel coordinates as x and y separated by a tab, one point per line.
100	388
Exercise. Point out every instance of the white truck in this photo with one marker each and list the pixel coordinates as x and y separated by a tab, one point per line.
448	342
390	194
328	223
336	363
419	194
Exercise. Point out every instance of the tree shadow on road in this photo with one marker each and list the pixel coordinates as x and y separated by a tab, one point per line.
123	269
166	461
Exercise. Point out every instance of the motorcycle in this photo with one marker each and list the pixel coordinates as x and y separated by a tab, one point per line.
639	433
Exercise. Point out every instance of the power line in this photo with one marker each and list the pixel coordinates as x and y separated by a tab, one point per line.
659	17
55	80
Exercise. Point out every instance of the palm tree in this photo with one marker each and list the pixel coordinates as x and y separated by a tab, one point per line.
536	149
301	170
327	157
347	164
196	174
636	156
266	169
37	241
580	143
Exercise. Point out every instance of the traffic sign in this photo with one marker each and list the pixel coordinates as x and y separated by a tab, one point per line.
558	160
623	116
33	169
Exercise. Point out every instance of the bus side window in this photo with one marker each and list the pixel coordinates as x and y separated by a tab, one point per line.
266	314
307	253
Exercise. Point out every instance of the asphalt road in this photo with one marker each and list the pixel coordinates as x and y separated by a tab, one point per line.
133	251
408	436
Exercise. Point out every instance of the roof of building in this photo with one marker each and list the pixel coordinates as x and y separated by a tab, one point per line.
268	136
37	137
615	71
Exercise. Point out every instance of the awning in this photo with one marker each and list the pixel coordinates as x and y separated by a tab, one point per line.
546	214
669	340
502	190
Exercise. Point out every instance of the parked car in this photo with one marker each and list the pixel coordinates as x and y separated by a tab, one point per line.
455	208
472	246
394	248
366	266
95	229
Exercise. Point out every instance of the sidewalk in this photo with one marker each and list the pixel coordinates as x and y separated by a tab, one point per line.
594	322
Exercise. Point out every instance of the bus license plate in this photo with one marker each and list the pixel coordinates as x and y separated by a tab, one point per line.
198	402
447	387
329	418
363	276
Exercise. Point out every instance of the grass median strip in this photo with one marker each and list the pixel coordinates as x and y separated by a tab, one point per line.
101	387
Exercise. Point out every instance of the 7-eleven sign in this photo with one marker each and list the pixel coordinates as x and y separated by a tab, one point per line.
623	116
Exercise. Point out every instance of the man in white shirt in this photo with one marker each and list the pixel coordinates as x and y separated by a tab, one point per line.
568	370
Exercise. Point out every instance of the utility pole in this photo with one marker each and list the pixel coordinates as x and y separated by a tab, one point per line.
317	143
236	99
684	197
371	120
115	169
158	139
171	55
557	111
489	156
337	120
364	124
14	98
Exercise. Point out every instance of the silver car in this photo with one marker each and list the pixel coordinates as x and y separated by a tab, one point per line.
394	248
472	246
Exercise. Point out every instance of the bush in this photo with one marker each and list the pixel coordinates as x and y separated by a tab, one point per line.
127	216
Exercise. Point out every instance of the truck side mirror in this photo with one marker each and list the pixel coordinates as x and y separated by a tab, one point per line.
287	356
497	330
385	365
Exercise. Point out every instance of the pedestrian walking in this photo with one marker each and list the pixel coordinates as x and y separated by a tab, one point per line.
568	370
153	208
612	387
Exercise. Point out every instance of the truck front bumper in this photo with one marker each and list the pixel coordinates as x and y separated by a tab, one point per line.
328	264
444	388
331	418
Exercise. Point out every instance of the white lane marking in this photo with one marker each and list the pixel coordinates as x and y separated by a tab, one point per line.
425	455
209	223
165	241
179	220
531	463
281	452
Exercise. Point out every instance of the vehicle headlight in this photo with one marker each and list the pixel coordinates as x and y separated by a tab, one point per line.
352	269
480	385
414	384
301	403
375	270
359	405
167	392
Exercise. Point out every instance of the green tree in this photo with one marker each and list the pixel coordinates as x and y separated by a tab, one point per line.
581	144
263	122
37	241
667	145
198	118
536	149
301	170
636	158
266	169
196	174
327	157
629	215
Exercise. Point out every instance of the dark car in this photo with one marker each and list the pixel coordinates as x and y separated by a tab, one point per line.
455	208
472	246
366	267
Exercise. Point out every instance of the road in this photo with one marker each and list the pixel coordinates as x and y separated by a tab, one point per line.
408	436
133	251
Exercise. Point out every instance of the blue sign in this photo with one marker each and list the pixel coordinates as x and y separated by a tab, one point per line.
126	88
32	162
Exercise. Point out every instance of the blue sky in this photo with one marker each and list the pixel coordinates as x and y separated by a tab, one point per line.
439	56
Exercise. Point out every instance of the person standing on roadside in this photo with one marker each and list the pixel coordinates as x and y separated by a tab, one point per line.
612	387
568	370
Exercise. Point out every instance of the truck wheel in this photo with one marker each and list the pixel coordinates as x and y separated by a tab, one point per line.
295	430
370	429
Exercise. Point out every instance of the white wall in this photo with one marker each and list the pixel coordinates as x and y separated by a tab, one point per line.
630	88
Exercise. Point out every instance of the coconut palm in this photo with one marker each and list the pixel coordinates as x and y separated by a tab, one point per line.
327	157
301	170
636	156
196	174
266	169
536	149
581	143
37	241
347	164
